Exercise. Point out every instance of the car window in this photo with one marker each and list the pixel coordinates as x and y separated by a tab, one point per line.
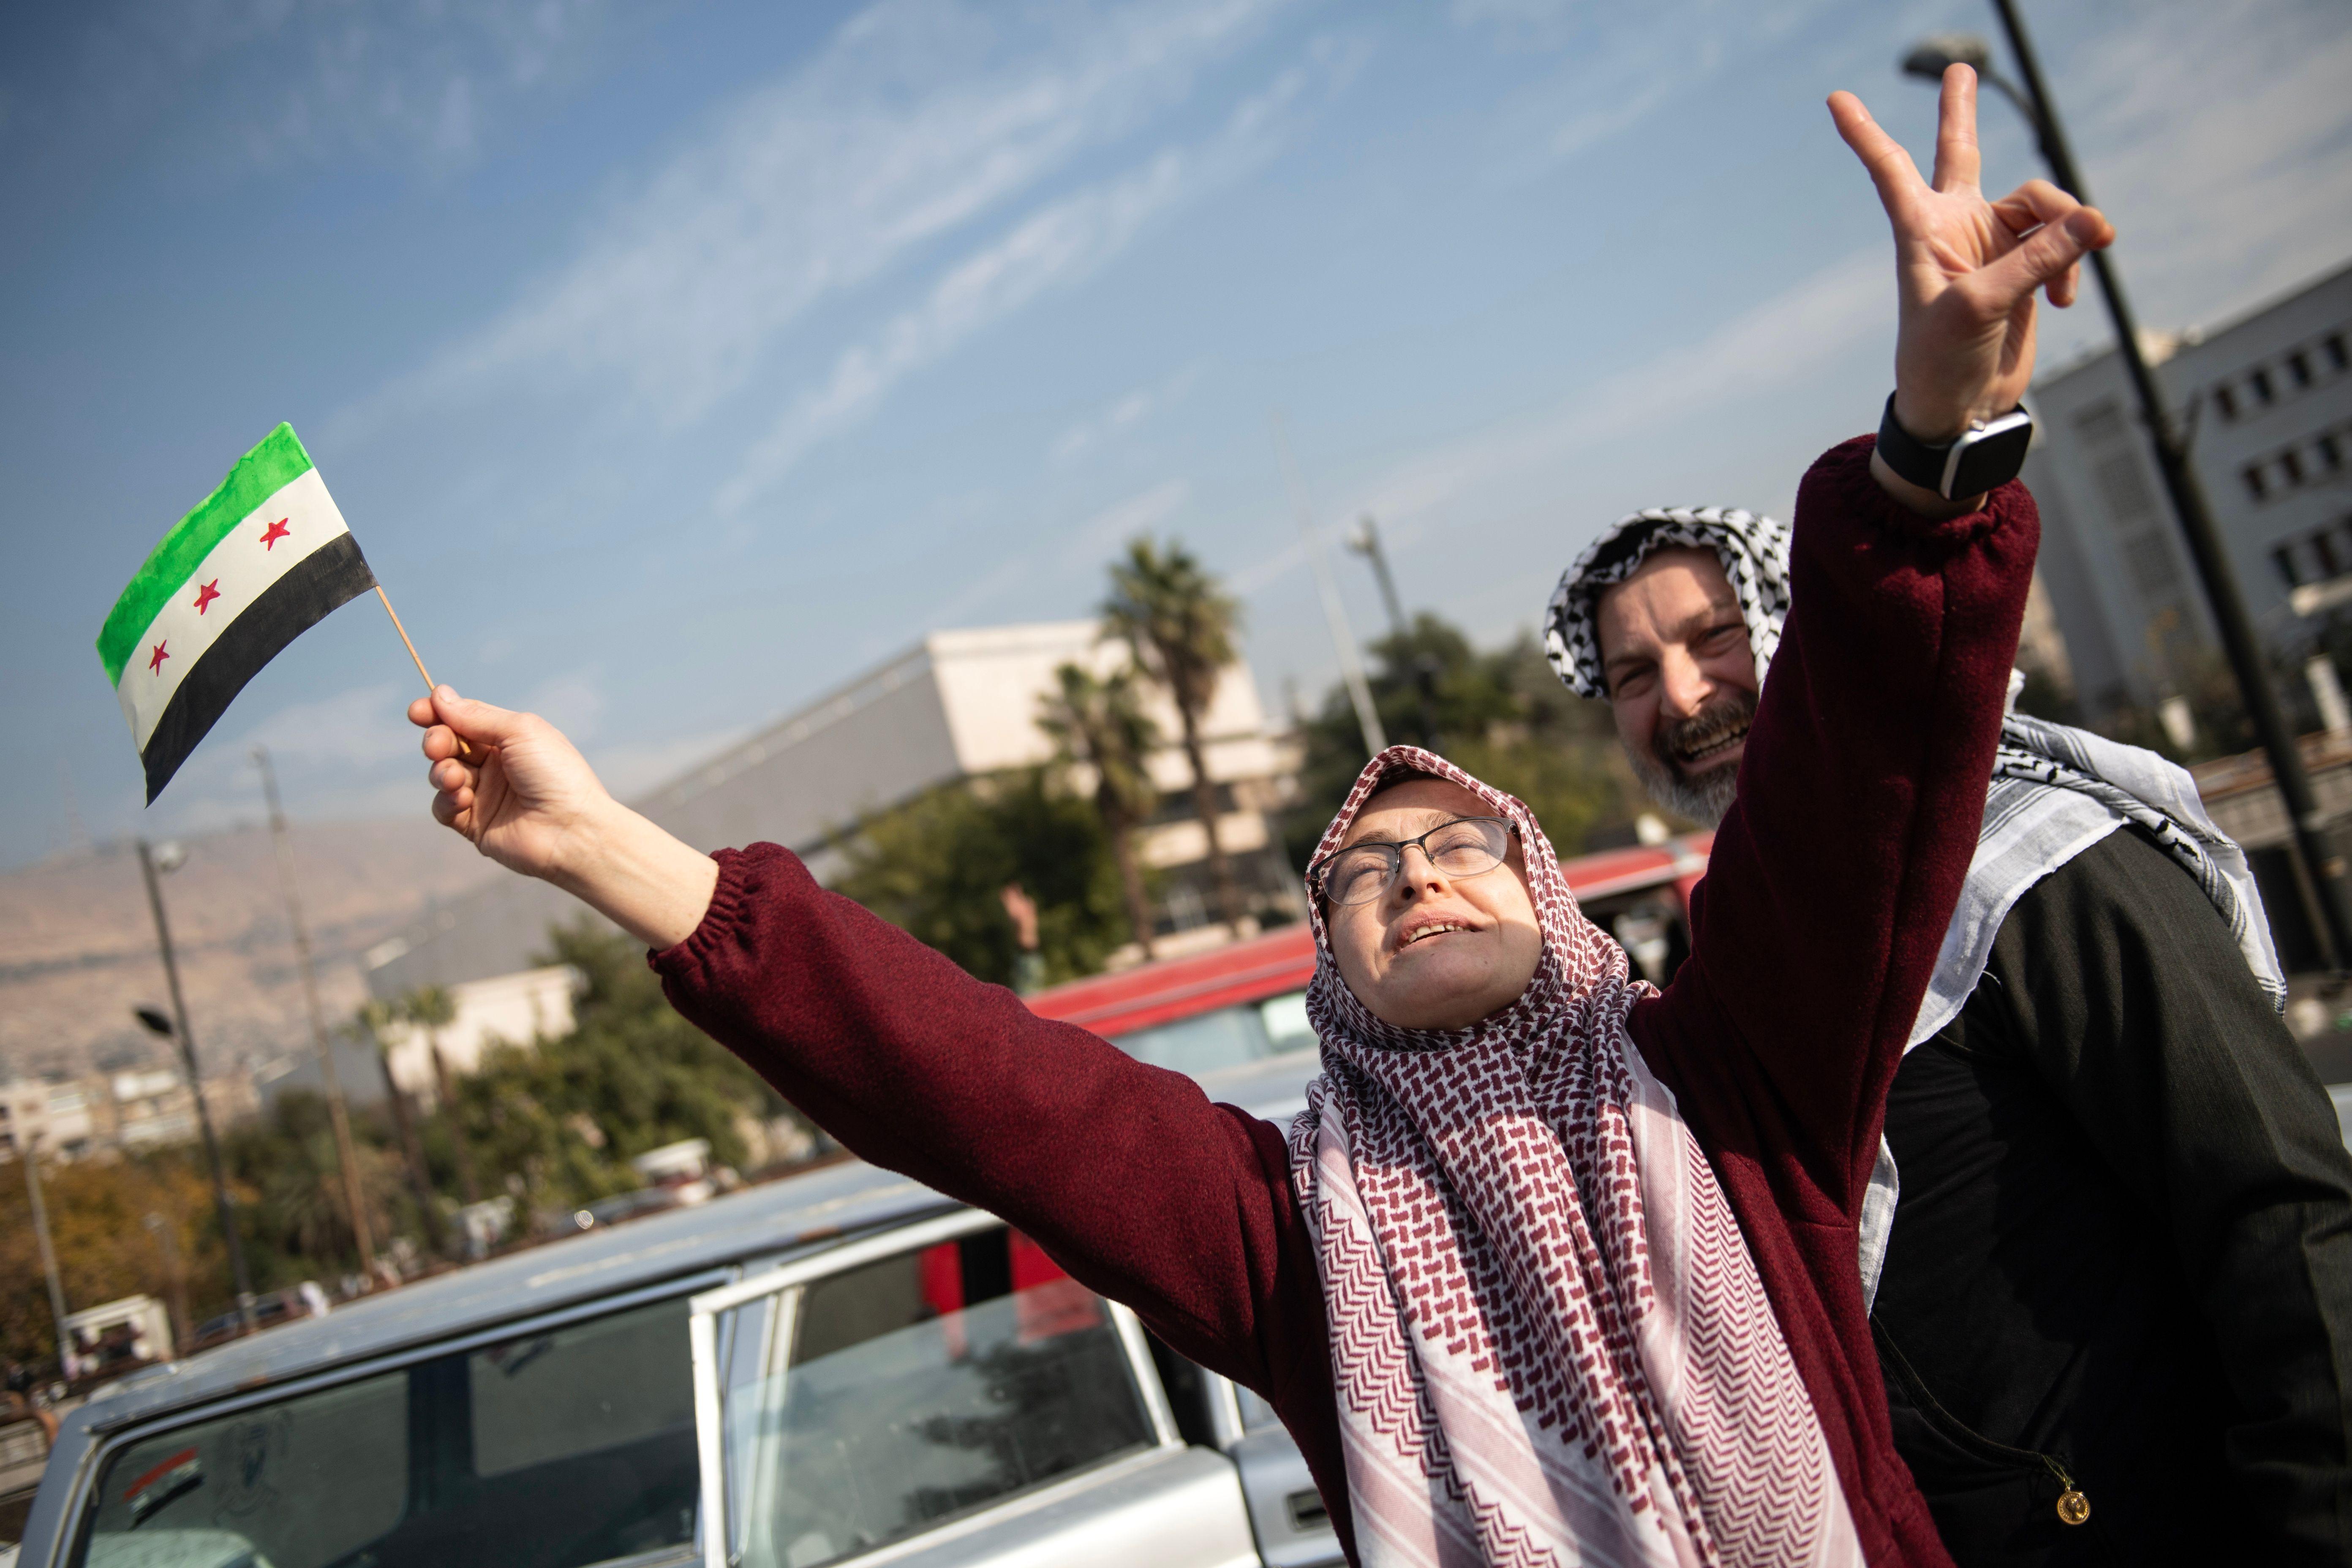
555	1449
1225	1038
310	1480
919	1388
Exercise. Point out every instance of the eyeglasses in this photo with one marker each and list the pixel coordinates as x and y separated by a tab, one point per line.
1465	847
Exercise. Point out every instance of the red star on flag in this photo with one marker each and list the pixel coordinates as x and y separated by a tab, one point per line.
156	663
206	594
277	531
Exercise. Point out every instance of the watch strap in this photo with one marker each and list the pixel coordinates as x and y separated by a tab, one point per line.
1939	468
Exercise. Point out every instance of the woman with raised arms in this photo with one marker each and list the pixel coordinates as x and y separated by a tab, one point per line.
1555	1267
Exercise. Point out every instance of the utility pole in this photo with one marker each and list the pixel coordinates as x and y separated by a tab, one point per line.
2323	870
1366	542
1334	614
27	1152
188	1044
183	1340
336	1113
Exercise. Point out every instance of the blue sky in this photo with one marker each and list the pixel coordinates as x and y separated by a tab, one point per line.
674	362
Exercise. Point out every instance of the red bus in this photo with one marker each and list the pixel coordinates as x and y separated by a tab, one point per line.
1247	1001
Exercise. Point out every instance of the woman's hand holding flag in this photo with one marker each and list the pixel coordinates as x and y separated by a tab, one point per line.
533	805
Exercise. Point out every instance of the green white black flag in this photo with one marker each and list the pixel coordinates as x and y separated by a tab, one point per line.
259	562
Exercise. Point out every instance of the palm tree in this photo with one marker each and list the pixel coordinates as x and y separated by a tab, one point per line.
432	1009
1180	626
1100	722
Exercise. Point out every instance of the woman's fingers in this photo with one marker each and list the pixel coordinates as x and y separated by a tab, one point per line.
1958	161
2033	204
2044	257
2063	290
1891	169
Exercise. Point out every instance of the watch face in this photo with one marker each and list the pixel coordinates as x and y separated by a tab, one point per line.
1991	459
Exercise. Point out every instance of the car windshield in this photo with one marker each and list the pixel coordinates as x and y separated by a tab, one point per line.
1226	1037
556	1449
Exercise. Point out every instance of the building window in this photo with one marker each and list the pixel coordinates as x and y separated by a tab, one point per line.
2256	486
2324	548
2333	347
2284	558
2226	401
2290	465
2260	380
2124	487
2298	365
2102	425
2149	560
2331	452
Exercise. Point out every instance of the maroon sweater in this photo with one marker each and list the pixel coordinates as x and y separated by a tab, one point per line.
1812	940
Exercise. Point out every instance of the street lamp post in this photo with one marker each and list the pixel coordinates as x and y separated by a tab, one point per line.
177	1028
1365	541
338	1113
177	1277
31	1156
1334	614
2323	870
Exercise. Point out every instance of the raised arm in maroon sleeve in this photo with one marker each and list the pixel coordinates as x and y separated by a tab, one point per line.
1127	1174
1825	900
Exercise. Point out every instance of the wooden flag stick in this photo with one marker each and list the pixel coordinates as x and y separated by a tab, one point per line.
467	753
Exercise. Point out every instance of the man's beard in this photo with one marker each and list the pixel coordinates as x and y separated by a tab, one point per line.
1702	797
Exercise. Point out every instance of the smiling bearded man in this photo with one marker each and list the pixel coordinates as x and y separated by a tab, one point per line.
2139	1362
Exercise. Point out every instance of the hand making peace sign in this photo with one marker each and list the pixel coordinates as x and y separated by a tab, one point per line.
1966	268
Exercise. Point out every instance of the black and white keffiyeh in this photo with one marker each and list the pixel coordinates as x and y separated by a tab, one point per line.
1754	550
2056	790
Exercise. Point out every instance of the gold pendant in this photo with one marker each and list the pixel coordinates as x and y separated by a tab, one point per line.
2073	1508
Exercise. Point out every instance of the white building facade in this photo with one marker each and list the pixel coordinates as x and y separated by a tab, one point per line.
2267	400
960	704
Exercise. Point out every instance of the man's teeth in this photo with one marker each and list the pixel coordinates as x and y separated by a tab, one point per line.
1716	747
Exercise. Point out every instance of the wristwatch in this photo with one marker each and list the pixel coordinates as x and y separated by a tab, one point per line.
1987	456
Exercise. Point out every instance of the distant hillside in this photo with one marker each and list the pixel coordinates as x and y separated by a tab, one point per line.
78	947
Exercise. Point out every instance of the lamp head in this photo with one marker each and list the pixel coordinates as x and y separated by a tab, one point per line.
153	1018
1932	55
171	855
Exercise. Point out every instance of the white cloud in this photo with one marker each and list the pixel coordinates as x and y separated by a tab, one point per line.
1109	529
1120	415
1776	343
2217	141
282	82
918	116
1055	246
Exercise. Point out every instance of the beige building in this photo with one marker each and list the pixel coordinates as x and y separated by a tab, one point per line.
960	704
64	1119
510	1009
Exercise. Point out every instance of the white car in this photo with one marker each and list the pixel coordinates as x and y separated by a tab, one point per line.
840	1367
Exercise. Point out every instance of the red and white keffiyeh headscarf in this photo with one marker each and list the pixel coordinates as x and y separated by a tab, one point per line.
1550	1342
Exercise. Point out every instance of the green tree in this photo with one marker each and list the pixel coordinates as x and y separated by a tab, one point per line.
1506	719
936	867
369	1024
556	1120
1181	626
98	1213
431	1009
1101	723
